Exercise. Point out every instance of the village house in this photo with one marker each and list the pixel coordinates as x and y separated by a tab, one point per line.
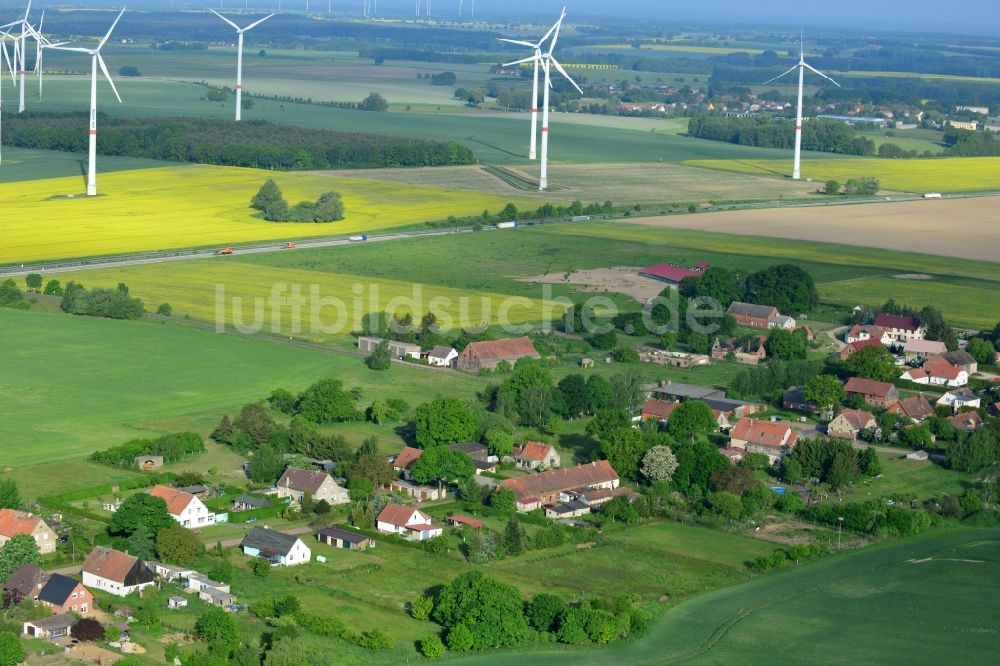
340	538
443	357
416	491
674	359
215	596
876	394
961	359
721	349
397	349
678	391
774	439
196	582
278	548
853	347
50	628
535	454
862	332
922	349
403	460
170	572
959	398
916	408
488	355
26	582
916	375
783	321
116	572
901	328
246	502
966	421
757	316
478	452
410	523
795	400
13	522
942	373
849	423
63	595
658	410
295	483
184	507
672	274
536	490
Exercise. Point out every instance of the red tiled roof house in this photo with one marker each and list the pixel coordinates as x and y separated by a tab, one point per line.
545	488
488	355
876	394
774	439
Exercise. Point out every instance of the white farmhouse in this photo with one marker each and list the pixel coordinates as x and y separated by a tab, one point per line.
184	507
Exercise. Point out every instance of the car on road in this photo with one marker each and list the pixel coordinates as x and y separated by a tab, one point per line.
251	519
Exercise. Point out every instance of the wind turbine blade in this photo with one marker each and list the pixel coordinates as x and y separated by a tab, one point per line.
6	56
562	71
27	10
549	33
779	76
111	29
816	71
235	27
104	69
555	32
74	49
520	62
41	21
516	41
256	23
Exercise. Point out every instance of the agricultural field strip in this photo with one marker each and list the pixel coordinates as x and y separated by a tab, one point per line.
185	206
958	174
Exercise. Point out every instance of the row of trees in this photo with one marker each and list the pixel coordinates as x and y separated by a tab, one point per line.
174	448
271	202
828	136
255	144
111	303
785	286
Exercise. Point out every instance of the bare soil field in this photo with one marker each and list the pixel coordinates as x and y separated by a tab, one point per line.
966	228
618	183
618	279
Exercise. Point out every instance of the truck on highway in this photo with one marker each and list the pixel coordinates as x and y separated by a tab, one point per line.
225	250
932	195
290	245
506	225
358	239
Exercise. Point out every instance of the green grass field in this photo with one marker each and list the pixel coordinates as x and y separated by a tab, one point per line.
845	609
84	383
966	174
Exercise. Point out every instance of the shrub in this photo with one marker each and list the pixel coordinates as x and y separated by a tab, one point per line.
432	647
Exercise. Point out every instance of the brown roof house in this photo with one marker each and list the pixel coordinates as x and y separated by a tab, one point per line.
488	355
116	572
966	421
876	394
404	460
545	487
859	333
748	314
856	346
14	522
64	595
295	483
722	348
901	328
184	507
26	582
849	423
536	454
658	410
773	439
916	408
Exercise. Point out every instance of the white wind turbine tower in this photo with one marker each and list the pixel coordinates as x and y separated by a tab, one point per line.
10	67
95	61
802	66
536	61
548	61
239	57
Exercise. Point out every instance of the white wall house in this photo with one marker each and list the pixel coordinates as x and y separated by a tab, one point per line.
278	548
184	507
407	522
116	572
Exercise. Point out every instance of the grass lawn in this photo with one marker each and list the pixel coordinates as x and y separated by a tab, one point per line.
841	609
911	479
965	174
78	384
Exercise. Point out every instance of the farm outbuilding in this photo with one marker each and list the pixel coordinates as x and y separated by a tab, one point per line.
148	463
338	538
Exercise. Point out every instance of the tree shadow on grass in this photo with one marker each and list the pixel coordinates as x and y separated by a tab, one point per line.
584	448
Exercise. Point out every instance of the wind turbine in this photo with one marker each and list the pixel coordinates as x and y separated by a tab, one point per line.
41	43
548	61
802	66
239	57
95	61
536	61
10	67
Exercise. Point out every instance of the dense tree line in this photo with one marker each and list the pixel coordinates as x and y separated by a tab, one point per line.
256	144
828	136
785	286
174	448
111	303
966	143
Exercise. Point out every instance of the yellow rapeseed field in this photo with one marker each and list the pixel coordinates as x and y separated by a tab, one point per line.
956	174
196	206
330	305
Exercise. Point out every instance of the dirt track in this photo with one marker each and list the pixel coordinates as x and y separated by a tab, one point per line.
967	228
